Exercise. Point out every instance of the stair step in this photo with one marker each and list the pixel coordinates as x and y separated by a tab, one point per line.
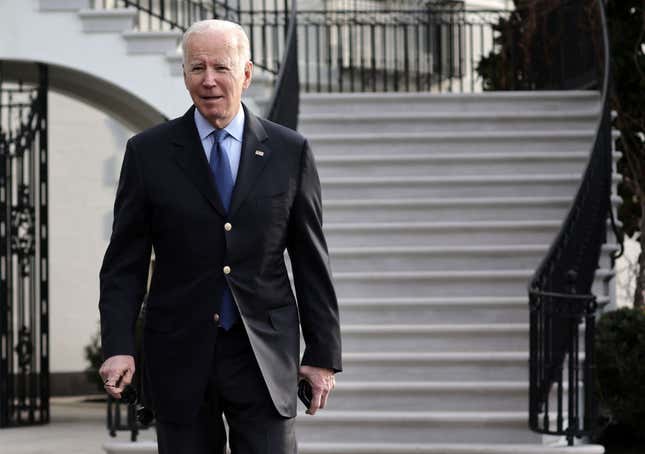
365	234
439	258
464	310
108	20
63	5
450	186
422	396
161	43
150	447
425	143
434	310
443	448
435	338
418	103
437	366
449	209
446	209
452	167
443	121
441	283
401	427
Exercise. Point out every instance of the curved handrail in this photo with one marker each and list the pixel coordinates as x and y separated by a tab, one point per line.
540	270
181	14
285	101
282	109
560	289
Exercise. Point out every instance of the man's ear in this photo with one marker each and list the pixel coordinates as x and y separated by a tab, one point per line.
248	74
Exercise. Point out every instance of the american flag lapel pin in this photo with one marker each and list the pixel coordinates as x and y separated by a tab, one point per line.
259	153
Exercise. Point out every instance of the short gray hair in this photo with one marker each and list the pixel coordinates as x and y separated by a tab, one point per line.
238	33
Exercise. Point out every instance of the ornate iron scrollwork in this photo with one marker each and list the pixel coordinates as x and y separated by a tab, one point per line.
23	221
24	325
24	349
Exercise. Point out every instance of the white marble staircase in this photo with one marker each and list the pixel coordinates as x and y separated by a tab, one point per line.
437	210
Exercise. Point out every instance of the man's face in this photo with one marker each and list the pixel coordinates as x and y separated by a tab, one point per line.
214	75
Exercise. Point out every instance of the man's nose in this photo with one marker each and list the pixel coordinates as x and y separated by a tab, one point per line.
209	78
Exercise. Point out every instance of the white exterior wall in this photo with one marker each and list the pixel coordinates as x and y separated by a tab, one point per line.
86	149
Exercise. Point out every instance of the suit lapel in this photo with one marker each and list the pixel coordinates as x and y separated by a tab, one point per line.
189	155
254	157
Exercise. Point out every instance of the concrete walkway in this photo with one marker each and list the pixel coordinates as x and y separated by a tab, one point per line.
76	427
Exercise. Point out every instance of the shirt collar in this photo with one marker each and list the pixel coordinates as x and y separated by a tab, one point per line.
235	128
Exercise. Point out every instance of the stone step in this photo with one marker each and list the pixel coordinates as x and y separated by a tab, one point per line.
443	448
438	366
382	187
414	284
152	43
457	233
63	5
386	311
401	427
435	338
430	233
463	310
108	20
420	103
150	447
429	395
425	143
452	167
438	258
446	209
403	122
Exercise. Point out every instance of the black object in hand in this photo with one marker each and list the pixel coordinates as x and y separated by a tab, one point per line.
145	416
305	392
129	395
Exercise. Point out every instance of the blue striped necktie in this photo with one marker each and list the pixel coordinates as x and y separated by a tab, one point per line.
221	170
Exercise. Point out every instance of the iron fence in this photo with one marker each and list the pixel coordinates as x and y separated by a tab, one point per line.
24	278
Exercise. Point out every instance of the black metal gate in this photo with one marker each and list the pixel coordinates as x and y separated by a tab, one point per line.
24	283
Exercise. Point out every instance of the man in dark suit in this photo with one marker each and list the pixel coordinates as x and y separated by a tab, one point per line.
219	194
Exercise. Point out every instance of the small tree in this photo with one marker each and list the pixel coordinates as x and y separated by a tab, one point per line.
524	43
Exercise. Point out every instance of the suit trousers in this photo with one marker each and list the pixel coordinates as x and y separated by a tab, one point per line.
236	390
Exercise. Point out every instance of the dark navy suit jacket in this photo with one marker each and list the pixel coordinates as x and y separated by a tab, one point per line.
167	200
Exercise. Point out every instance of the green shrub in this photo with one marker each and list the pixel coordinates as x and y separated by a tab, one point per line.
620	367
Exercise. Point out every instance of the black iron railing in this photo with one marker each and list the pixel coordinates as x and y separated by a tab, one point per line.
24	281
267	25
285	101
349	45
435	48
562	306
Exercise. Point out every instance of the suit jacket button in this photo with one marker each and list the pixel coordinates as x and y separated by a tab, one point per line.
227	270
216	317
228	226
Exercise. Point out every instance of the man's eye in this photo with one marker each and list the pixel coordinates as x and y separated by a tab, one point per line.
197	69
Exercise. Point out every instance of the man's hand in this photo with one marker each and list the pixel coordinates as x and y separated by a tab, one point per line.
117	372
322	382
